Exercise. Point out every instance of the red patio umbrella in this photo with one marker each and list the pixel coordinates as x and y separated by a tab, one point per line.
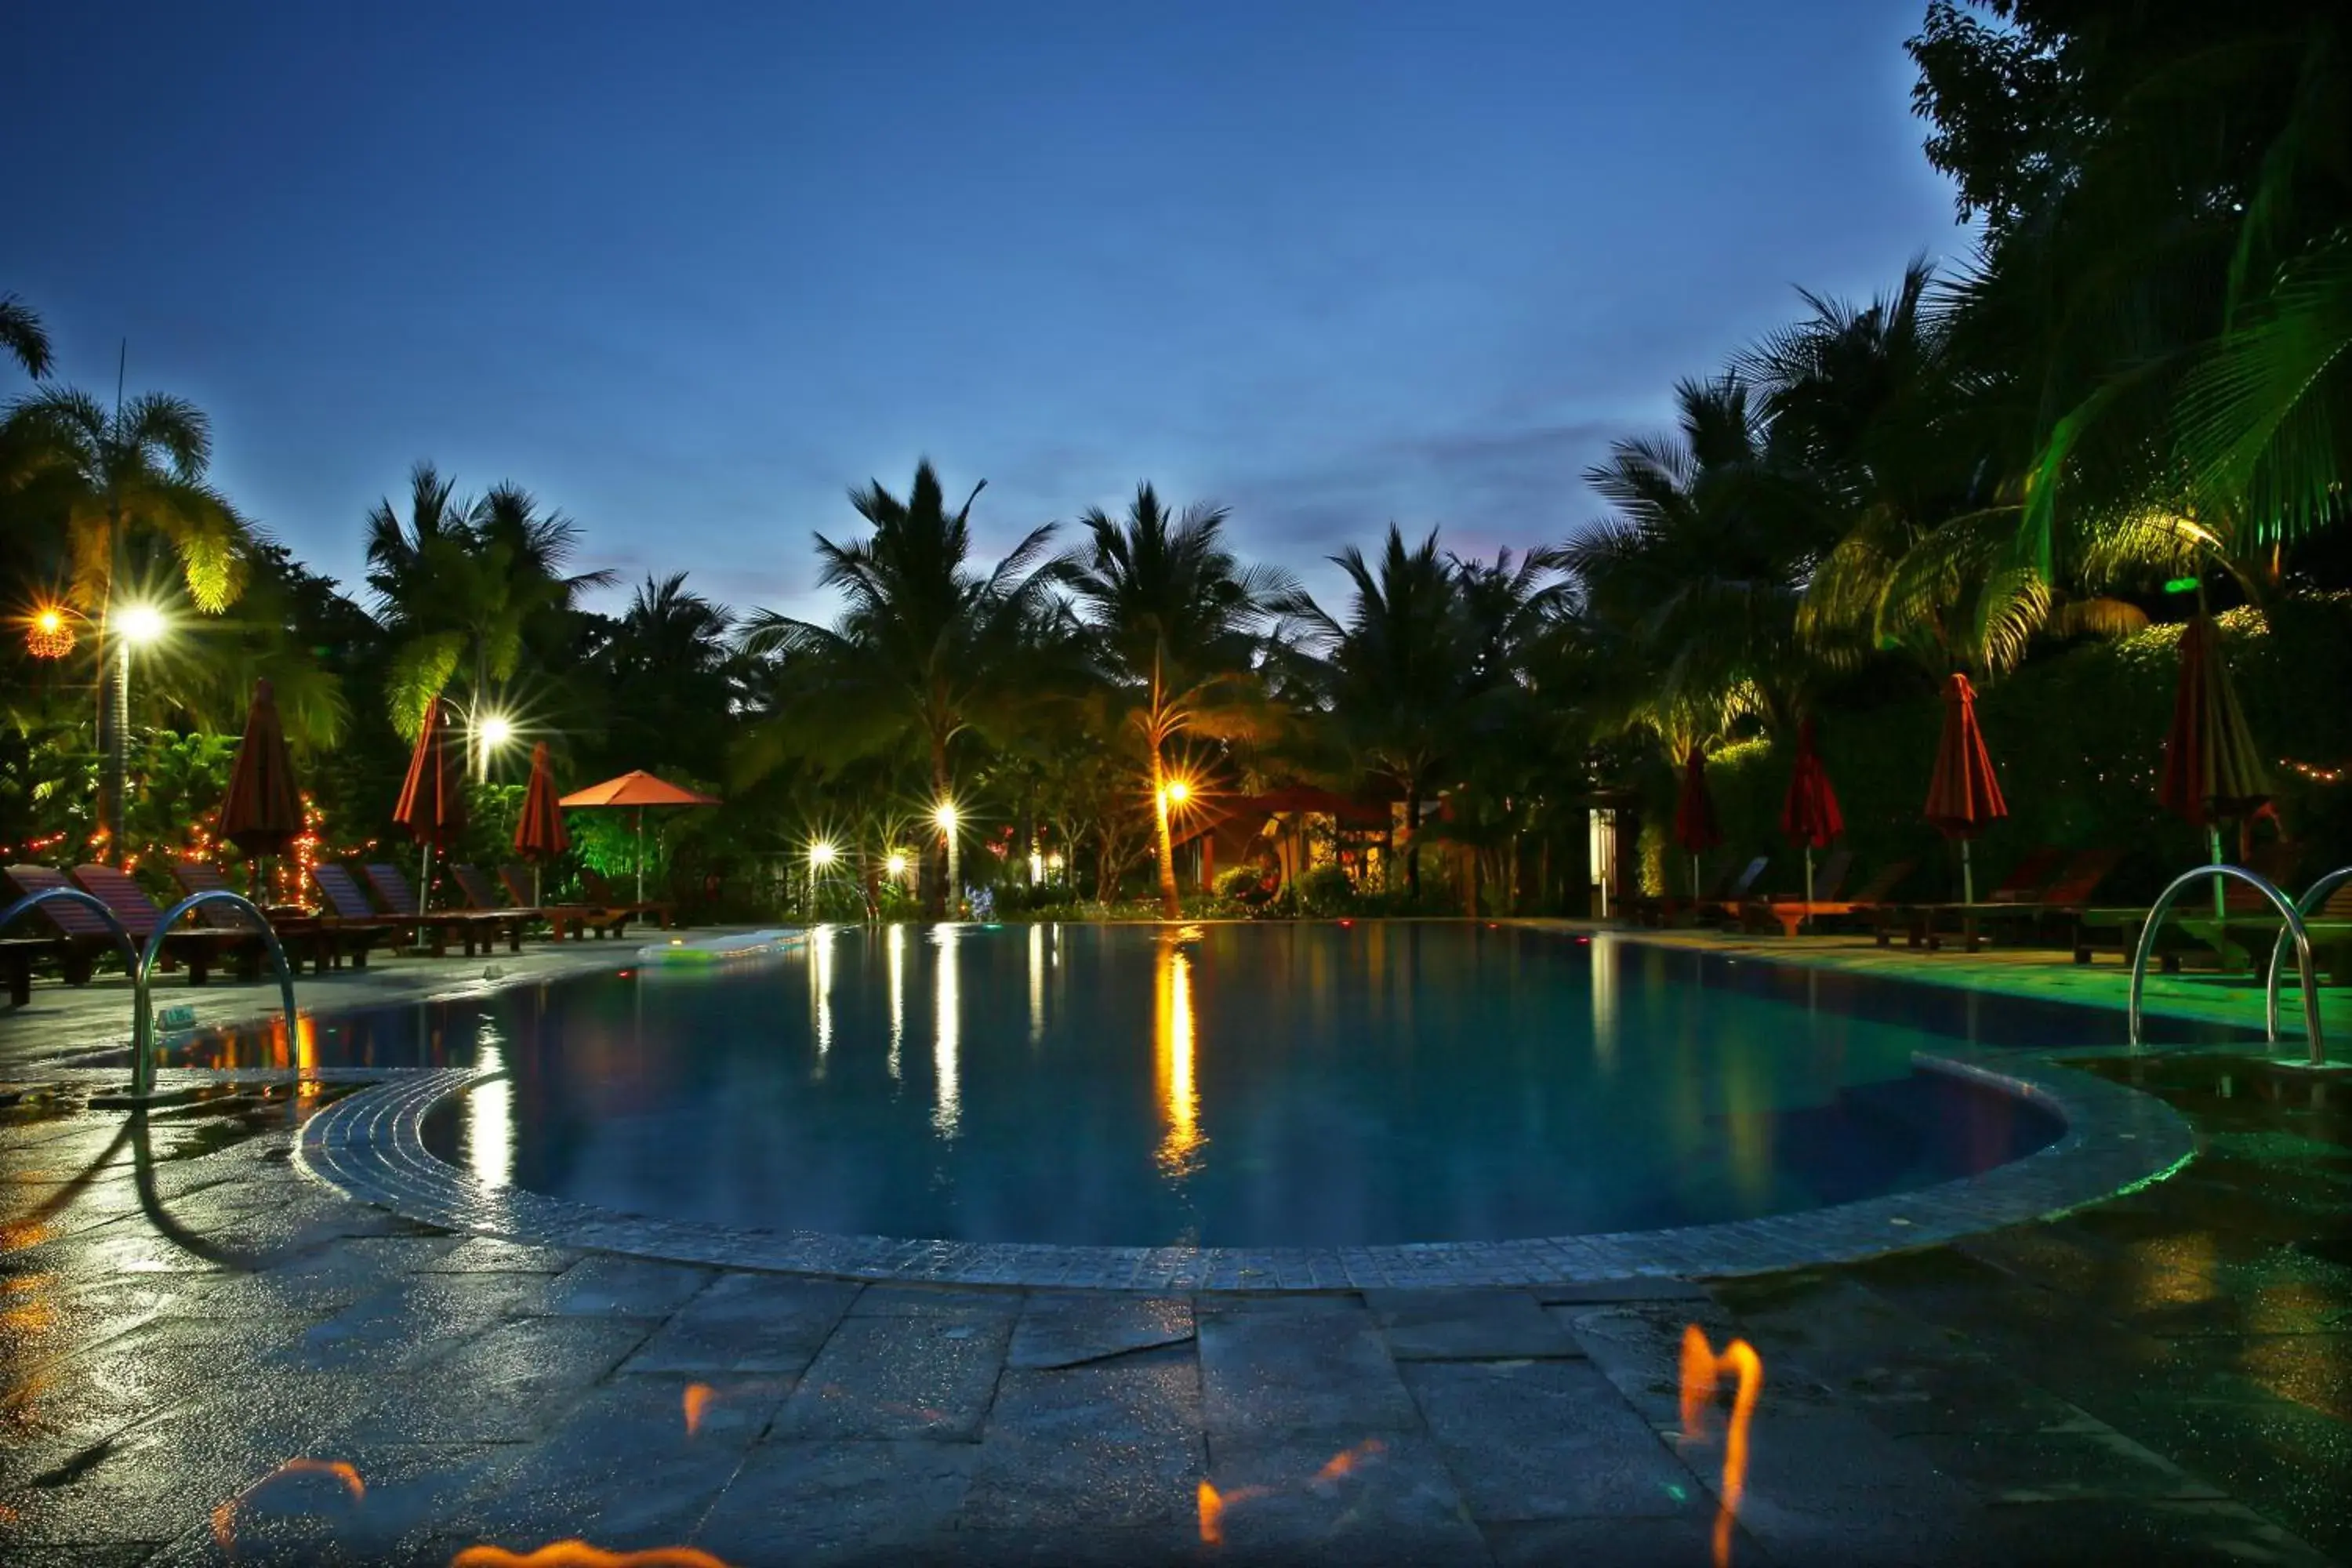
262	813
2212	771
636	790
1963	797
433	798
540	834
1696	828
1810	814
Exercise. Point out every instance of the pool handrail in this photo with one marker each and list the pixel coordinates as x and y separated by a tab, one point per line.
2313	898
2285	907
143	1038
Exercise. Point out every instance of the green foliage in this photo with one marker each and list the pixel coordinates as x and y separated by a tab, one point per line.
1326	890
1244	885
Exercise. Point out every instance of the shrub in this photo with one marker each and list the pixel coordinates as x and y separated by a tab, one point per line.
1326	890
1244	885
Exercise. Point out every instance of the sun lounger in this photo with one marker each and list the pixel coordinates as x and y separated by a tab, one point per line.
18	956
600	892
328	939
1792	913
2119	930
1829	881
2065	899
486	926
579	918
2250	935
346	901
2038	867
1727	906
482	895
200	949
81	935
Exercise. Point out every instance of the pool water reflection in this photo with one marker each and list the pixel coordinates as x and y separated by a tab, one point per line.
1292	1085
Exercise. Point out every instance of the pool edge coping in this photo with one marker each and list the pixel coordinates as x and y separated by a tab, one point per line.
369	1145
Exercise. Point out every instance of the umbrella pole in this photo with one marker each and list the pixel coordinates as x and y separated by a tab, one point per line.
424	894
1694	878
1809	883
641	854
2221	898
538	893
1968	876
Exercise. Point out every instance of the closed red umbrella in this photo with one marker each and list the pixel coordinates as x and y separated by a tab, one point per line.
1963	797
262	813
1695	827
1810	814
433	798
635	790
2211	771
540	834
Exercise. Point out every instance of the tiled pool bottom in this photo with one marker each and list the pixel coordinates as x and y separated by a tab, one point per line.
369	1146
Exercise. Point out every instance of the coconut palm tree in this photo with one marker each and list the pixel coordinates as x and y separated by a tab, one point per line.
925	646
23	336
1174	618
1390	675
125	491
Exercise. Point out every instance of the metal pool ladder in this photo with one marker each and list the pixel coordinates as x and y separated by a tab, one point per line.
2293	928
142	963
2314	897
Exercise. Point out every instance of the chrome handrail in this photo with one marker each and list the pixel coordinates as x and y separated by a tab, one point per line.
142	1040
2286	910
2312	898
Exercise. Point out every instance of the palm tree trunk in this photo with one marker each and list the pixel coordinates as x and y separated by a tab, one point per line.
1170	906
932	870
1413	843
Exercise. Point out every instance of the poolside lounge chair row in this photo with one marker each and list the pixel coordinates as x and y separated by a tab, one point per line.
348	927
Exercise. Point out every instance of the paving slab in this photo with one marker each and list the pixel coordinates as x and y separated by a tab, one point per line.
920	1376
1325	1370
838	1502
1061	1329
747	1324
1385	1500
363	1508
625	1287
1103	1447
506	1383
1463	1325
1687	1541
1547	1440
413	1322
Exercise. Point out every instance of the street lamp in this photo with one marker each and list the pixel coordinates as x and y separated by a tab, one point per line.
132	625
1179	792
492	732
896	863
821	853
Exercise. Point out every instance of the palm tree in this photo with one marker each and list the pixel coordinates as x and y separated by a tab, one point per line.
120	487
1704	564
924	647
23	336
1174	618
674	682
1390	675
466	587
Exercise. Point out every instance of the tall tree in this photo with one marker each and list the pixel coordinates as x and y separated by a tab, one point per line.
23	337
925	644
1174	620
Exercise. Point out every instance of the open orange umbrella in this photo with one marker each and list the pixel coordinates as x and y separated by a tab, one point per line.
433	797
1963	797
636	790
2211	771
540	834
262	813
1808	814
1695	827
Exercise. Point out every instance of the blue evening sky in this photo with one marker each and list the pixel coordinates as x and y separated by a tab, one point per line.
690	270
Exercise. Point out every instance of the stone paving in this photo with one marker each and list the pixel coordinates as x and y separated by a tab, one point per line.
210	1357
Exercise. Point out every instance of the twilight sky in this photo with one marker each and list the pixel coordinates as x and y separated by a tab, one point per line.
690	270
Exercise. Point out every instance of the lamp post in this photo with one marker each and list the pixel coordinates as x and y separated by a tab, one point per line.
132	625
946	817
491	733
821	853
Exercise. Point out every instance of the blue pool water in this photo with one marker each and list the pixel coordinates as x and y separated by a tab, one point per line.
1276	1085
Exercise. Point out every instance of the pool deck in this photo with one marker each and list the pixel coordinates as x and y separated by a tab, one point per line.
2165	1377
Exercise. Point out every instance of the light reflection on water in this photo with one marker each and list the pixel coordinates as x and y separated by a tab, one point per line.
1275	1085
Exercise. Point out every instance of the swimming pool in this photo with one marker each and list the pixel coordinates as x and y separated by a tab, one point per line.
1277	1086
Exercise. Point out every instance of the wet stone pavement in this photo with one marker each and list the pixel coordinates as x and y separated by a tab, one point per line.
207	1356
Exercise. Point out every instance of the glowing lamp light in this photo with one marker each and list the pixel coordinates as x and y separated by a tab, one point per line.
945	817
139	624
495	730
897	864
50	635
1179	792
822	853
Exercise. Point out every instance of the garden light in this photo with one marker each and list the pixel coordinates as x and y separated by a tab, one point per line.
945	817
1179	792
50	635
139	624
823	853
496	730
897	864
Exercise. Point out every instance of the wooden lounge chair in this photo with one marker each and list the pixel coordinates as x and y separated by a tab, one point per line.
328	939
400	899
482	896
1726	908
18	956
601	892
2068	895
2191	919
2034	871
1790	913
346	901
199	949
81	936
2249	936
580	918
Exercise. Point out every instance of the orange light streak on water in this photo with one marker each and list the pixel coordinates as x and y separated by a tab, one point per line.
225	1516
698	1399
1701	1369
580	1554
